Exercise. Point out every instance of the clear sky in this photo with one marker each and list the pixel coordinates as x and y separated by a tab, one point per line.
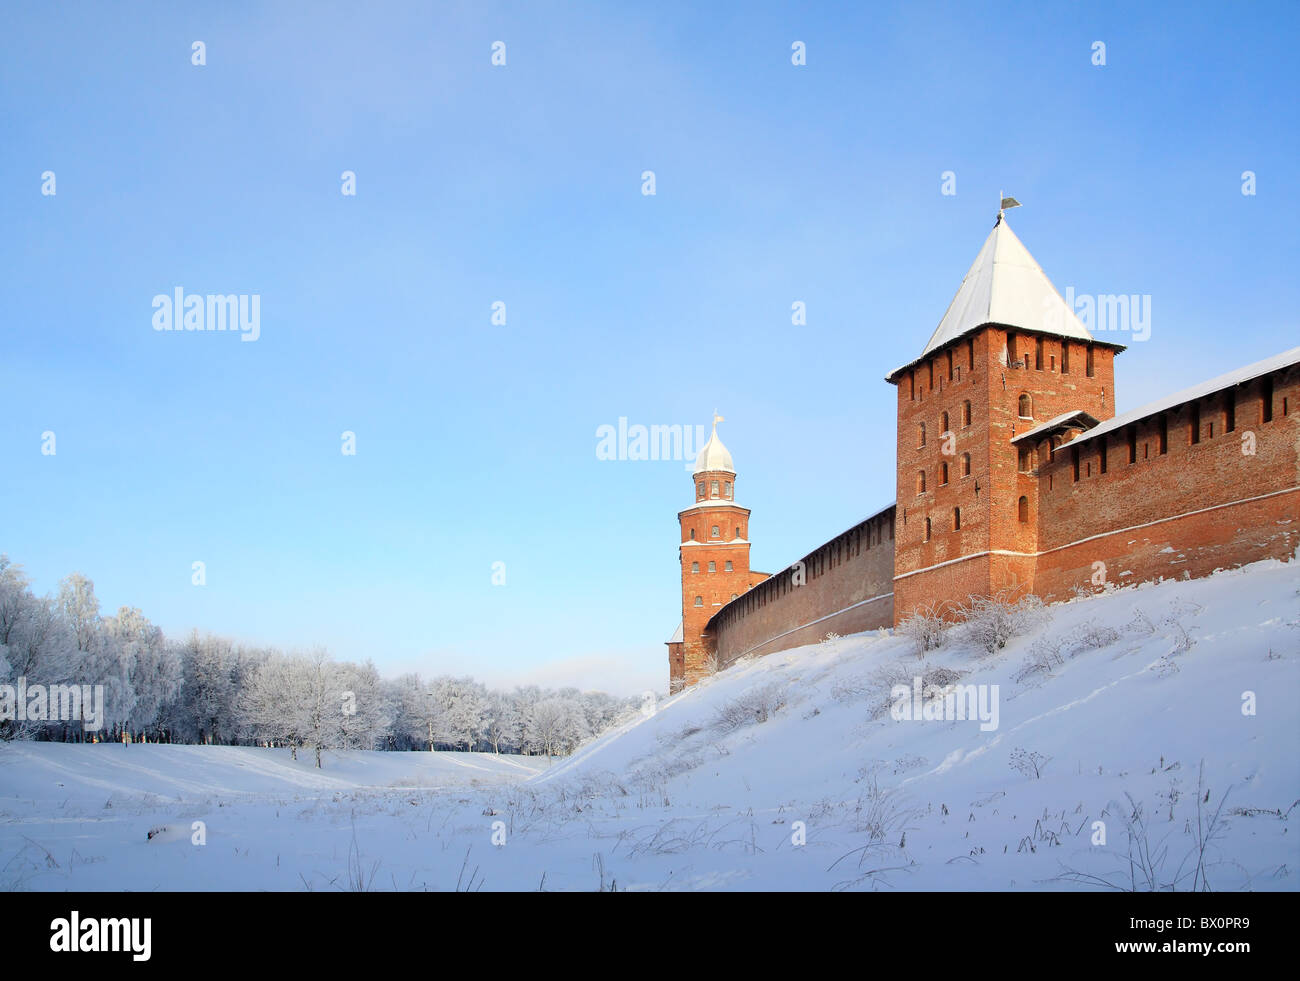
476	443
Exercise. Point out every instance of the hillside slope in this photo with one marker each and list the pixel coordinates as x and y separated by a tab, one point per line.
1151	681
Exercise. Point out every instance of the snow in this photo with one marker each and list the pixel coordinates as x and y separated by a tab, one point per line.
697	793
1238	377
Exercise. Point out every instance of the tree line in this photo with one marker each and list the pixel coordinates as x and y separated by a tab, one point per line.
207	689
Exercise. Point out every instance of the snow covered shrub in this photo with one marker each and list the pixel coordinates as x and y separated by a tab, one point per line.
1044	657
756	705
1093	636
988	622
925	629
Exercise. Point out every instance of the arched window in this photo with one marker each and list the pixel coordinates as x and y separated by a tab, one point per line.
965	413
737	532
943	423
920	482
695	567
927	529
715	531
943	473
733	595
965	464
713	491
920	431
726	489
692	534
1024	509
728	566
699	489
956	519
713	567
699	601
1026	407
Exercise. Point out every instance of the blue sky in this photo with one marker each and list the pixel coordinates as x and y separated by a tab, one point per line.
522	184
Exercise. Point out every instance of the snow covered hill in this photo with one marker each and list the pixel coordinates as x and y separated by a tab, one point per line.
1163	717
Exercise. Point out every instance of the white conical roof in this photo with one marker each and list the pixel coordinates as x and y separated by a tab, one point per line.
714	456
1005	285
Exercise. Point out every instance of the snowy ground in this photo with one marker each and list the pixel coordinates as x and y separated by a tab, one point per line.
784	773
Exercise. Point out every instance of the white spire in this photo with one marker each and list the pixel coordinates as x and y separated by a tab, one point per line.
1006	286
714	456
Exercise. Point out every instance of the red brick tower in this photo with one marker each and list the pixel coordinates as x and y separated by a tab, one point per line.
714	556
1010	372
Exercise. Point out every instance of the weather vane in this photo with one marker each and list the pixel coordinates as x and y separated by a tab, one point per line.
1004	204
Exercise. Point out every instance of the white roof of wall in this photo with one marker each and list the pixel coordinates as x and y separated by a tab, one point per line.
678	634
1004	285
1228	380
1078	417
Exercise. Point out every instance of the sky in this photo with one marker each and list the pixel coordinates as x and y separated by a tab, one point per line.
522	184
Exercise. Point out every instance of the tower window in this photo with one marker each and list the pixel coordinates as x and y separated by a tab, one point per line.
728	566
965	413
1229	411
699	489
692	534
695	567
1132	444
971	353
943	473
713	490
713	567
1266	400
726	489
737	531
1088	362
715	533
920	432
699	601
1196	423
927	529
1101	458
965	464
1038	354
911	385
1024	509
956	519
1026	407
1074	462
920	481
1164	433
943	423
1065	357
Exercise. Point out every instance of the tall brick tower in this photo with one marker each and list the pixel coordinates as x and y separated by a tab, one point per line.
1009	374
714	556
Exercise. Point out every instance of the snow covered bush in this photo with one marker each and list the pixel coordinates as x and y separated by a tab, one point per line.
926	629
988	622
1092	636
756	705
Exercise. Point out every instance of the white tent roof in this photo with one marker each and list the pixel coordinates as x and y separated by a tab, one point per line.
1004	285
678	634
